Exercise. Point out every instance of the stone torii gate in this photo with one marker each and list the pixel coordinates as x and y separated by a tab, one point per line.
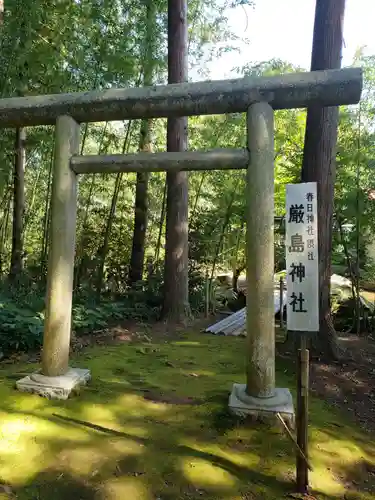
258	97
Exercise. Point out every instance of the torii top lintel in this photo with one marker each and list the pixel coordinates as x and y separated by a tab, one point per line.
294	90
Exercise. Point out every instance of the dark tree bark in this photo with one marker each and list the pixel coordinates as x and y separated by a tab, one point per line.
141	211
18	187
6	205
161	224
46	220
176	290
18	205
141	192
319	157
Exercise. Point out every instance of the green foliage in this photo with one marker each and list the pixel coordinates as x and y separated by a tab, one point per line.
56	46
21	322
21	328
21	317
22	309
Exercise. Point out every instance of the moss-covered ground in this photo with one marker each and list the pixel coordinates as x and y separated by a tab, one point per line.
153	424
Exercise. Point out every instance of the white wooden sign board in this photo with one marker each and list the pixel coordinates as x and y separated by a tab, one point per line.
302	263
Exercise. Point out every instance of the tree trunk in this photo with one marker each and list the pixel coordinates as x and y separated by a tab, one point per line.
141	211
18	205
319	157
141	191
236	266
176	289
161	223
46	219
4	227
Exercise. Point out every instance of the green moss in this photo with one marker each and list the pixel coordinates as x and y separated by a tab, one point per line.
153	423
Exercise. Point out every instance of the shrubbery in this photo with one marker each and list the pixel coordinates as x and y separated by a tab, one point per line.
22	310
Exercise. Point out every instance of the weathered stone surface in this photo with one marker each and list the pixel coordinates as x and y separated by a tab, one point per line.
220	159
260	316
295	90
241	404
57	326
59	387
259	397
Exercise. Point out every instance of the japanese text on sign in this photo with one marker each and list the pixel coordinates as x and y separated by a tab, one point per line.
302	257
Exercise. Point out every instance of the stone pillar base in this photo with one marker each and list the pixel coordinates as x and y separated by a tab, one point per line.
241	404
54	387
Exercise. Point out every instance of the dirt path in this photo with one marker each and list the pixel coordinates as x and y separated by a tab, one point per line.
350	386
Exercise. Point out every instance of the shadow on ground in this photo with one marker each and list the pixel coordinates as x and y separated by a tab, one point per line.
153	424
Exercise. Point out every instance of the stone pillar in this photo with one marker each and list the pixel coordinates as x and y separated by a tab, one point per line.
61	252
259	395
260	316
57	380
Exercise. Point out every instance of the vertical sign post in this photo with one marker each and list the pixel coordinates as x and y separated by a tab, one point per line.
281	290
302	266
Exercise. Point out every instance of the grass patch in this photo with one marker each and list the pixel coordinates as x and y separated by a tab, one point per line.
153	424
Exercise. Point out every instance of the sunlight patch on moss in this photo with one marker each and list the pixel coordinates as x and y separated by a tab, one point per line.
329	455
12	429
124	446
28	402
244	459
82	461
166	450
88	461
25	442
128	405
126	488
16	441
202	473
137	406
324	481
343	449
96	413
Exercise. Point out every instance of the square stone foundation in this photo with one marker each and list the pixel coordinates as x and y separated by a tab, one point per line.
241	404
54	387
